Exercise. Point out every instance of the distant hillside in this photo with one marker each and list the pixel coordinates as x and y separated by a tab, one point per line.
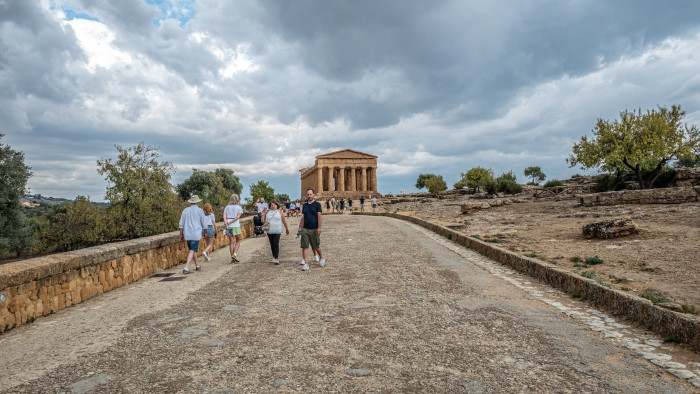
39	199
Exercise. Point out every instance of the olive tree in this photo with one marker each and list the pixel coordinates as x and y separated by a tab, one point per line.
477	177
214	187
142	200
640	142
15	230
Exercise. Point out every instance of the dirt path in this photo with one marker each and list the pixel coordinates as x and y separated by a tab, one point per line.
407	312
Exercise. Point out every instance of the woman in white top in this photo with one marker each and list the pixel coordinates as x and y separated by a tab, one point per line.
211	231
232	214
276	219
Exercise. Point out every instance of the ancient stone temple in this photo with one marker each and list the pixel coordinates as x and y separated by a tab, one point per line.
345	173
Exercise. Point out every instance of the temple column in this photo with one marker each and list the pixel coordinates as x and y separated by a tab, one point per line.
363	180
353	180
374	179
341	183
319	179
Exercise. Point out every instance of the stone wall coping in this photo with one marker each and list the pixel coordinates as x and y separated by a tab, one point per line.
657	319
37	268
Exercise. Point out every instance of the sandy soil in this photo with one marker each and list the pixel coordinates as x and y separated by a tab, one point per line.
662	260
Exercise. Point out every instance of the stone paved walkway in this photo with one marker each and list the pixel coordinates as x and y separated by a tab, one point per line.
407	312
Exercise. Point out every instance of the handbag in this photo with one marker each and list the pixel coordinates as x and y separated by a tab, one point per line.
266	225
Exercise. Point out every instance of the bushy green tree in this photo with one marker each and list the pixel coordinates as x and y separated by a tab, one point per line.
74	225
282	197
214	187
15	230
260	189
535	172
477	177
420	182
505	183
642	143
435	184
142	200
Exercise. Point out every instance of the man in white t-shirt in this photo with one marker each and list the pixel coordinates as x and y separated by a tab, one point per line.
261	205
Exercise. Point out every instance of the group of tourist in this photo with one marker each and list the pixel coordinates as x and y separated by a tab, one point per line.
196	222
341	205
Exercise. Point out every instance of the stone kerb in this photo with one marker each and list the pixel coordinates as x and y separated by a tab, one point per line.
670	195
44	285
662	321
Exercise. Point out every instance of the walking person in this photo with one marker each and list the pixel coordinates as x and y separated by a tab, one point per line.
297	208
374	203
328	205
333	203
275	217
350	204
287	205
232	216
342	206
192	222
310	229
362	204
211	231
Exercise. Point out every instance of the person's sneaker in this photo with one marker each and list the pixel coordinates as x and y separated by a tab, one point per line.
305	267
235	257
186	271
322	263
207	256
276	261
303	262
316	257
272	260
197	268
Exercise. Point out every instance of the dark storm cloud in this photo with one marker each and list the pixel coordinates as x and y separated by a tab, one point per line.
264	86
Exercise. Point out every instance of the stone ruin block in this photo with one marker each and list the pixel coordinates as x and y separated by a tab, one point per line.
473	206
610	229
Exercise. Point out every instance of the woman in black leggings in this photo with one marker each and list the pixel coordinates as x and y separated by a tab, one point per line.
276	219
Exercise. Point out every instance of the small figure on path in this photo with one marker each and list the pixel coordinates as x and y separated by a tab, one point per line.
328	205
333	204
287	206
342	205
211	231
374	203
192	222
362	204
350	204
310	229
232	214
276	219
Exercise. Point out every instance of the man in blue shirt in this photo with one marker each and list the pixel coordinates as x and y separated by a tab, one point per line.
192	222
310	229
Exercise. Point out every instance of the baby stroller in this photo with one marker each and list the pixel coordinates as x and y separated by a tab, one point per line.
258	226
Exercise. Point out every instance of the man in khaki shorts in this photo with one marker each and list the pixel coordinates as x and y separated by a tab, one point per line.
310	229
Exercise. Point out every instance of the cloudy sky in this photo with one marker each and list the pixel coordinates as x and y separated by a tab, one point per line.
264	86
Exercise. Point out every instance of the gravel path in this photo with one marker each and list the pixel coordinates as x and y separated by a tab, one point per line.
402	313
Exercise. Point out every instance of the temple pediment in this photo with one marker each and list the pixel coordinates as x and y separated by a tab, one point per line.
346	154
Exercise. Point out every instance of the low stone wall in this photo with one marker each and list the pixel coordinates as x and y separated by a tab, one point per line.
670	195
662	321
44	285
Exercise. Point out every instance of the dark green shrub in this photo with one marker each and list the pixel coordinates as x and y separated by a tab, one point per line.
553	182
594	260
608	182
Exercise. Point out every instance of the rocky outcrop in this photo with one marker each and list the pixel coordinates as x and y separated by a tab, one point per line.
686	176
610	229
670	195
